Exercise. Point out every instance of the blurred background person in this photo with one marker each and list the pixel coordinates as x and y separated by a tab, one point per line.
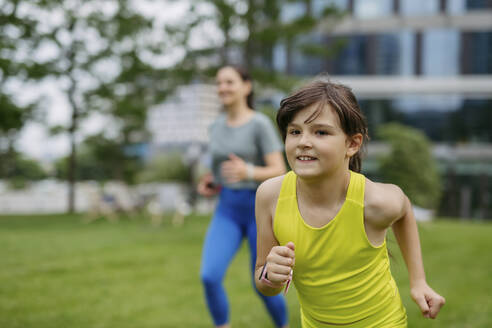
245	150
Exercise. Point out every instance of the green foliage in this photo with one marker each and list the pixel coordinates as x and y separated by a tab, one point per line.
410	164
12	117
98	58
263	28
18	36
19	170
271	113
165	168
28	168
101	158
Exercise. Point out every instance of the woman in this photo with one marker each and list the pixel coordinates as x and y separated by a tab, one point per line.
245	151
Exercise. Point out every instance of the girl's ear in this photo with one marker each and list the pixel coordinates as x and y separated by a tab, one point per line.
354	143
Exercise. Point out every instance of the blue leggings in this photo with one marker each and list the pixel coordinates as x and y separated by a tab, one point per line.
233	220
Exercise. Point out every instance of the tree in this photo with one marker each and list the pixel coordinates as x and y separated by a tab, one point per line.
19	38
24	170
102	55
98	65
410	164
99	158
247	32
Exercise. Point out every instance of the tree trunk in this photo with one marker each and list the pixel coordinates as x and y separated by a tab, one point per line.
72	161
248	48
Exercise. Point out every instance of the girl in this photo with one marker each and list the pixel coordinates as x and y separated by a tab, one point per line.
324	224
245	150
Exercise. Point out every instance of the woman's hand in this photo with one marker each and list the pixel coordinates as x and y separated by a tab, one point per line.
427	299
234	169
206	187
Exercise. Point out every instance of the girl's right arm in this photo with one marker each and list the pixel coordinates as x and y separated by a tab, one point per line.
277	261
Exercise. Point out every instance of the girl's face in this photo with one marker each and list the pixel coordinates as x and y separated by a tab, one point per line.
231	88
319	147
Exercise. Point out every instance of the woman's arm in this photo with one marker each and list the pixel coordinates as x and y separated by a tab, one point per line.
406	233
236	169
206	186
274	166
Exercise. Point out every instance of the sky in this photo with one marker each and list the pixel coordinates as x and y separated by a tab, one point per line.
35	140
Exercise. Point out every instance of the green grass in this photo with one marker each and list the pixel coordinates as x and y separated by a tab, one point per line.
56	271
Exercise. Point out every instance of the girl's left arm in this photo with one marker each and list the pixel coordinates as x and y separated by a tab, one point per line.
406	233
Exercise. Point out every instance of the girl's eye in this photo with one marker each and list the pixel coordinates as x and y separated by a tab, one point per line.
322	132
294	132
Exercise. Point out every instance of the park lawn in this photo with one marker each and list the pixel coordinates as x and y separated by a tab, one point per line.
56	271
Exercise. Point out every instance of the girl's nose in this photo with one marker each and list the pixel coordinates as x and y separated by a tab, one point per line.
305	141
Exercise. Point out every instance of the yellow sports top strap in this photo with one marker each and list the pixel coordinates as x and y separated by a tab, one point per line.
288	188
356	188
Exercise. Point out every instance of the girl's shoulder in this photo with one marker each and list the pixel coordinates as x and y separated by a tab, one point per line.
268	192
383	203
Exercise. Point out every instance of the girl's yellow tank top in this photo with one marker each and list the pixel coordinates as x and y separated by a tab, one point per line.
341	279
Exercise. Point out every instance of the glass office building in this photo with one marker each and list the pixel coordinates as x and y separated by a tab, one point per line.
410	41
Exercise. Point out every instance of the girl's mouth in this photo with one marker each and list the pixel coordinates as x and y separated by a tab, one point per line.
306	158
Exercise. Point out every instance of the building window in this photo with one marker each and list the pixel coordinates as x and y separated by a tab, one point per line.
373	54
440	52
407	52
280	57
305	64
419	7
443	118
478	4
476	53
292	11
456	7
372	8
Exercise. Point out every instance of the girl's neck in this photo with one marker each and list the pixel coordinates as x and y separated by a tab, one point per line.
326	191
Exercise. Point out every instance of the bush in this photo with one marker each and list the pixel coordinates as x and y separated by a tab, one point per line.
168	167
20	170
410	164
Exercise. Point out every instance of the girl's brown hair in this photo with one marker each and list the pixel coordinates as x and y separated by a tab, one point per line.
340	98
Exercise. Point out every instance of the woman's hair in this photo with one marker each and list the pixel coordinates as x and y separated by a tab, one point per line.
340	98
246	77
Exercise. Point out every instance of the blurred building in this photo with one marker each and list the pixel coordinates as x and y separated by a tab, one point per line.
181	124
183	120
424	63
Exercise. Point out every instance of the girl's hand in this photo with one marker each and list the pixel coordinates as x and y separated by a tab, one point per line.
206	186
234	169
427	299
280	262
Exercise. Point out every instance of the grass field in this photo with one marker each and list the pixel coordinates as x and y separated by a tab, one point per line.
56	271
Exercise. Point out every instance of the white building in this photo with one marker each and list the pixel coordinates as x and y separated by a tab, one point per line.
184	118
